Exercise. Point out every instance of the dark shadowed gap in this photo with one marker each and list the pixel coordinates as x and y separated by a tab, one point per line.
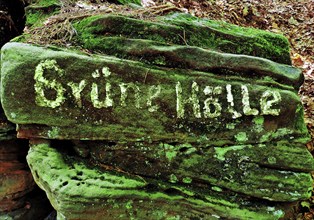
12	19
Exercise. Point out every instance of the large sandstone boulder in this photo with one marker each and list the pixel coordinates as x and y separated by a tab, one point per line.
173	118
94	96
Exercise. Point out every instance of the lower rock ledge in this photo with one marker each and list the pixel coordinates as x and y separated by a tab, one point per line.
78	191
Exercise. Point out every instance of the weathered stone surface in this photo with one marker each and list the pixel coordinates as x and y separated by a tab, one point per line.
13	186
188	57
18	199
183	29
78	191
74	96
265	171
34	206
15	179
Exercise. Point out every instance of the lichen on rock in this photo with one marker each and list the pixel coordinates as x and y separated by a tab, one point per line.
77	91
171	117
77	190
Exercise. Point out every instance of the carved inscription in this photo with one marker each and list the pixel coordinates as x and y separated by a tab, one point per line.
209	107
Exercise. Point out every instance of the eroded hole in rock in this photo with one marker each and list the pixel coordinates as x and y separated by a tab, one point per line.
111	144
172	191
76	178
151	187
183	149
64	147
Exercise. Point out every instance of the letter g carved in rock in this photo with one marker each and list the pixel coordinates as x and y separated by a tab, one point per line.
42	84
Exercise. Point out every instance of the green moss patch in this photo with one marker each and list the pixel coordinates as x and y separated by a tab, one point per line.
75	190
38	12
187	30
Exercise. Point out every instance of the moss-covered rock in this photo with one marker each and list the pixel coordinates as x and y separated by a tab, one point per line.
265	171
180	29
138	2
78	191
106	98
208	112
